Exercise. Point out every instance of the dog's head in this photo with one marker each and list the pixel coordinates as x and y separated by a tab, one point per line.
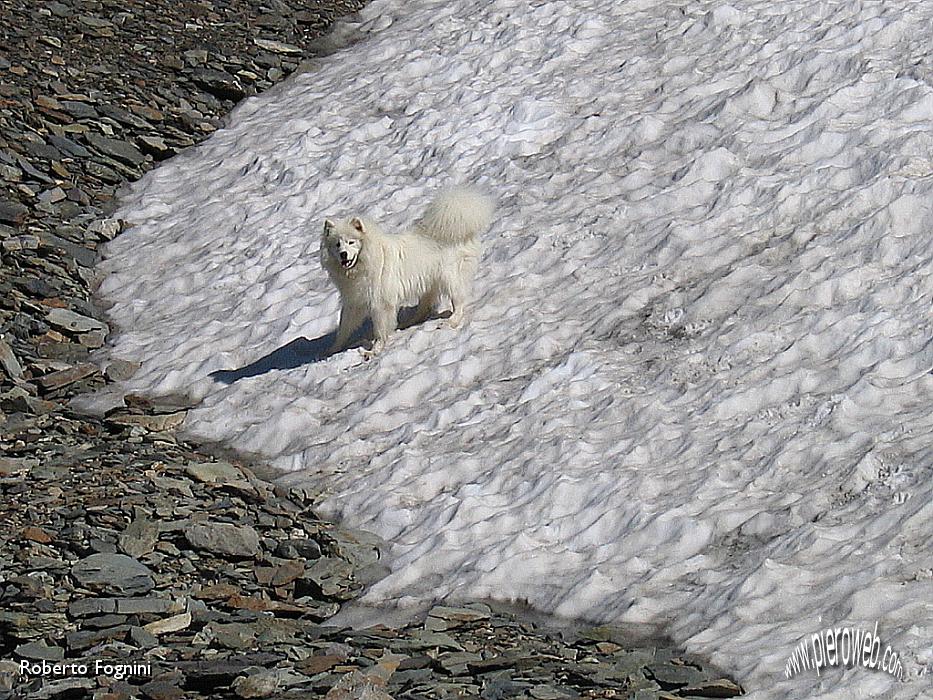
343	241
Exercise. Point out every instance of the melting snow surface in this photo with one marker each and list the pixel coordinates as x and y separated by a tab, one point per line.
695	387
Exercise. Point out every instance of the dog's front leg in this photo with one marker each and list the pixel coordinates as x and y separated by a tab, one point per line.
351	318
385	319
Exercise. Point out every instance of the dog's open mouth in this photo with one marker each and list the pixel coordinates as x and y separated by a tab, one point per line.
348	263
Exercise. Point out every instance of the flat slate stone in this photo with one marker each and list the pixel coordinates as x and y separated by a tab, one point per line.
221	671
113	573
670	675
9	362
214	472
156	424
40	651
139	538
225	539
73	322
64	377
12	212
277	46
83	607
66	687
219	83
69	147
170	624
117	149
720	688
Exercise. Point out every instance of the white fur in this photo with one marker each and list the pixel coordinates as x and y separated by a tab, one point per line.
377	273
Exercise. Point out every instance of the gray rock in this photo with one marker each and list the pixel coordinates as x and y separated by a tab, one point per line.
214	472
501	688
143	638
12	212
358	547
15	465
17	243
298	549
670	675
103	172
139	538
196	57
219	83
143	606
442	618
113	573
123	116
65	687
69	147
360	686
54	195
104	621
40	651
57	380
233	635
225	539
550	692
73	322
419	640
162	689
277	46
92	339
455	662
155	424
156	147
81	254
85	639
331	577
59	9
79	110
175	623
222	671
9	173
95	22
116	149
106	229
120	370
264	683
83	607
20	625
720	688
9	361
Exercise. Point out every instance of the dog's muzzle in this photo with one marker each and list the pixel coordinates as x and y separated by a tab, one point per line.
347	262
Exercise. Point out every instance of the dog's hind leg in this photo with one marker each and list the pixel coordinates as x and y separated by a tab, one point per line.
458	300
351	318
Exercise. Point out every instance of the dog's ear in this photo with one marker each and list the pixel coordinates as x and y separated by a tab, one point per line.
357	224
328	227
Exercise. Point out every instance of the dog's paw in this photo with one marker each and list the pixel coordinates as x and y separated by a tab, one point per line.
374	350
455	320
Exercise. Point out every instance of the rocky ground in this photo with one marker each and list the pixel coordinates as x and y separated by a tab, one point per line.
133	564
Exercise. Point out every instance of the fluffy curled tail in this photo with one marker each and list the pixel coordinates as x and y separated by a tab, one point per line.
457	215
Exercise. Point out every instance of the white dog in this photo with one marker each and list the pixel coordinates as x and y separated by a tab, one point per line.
376	273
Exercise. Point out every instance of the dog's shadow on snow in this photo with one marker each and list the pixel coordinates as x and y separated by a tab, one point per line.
302	351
